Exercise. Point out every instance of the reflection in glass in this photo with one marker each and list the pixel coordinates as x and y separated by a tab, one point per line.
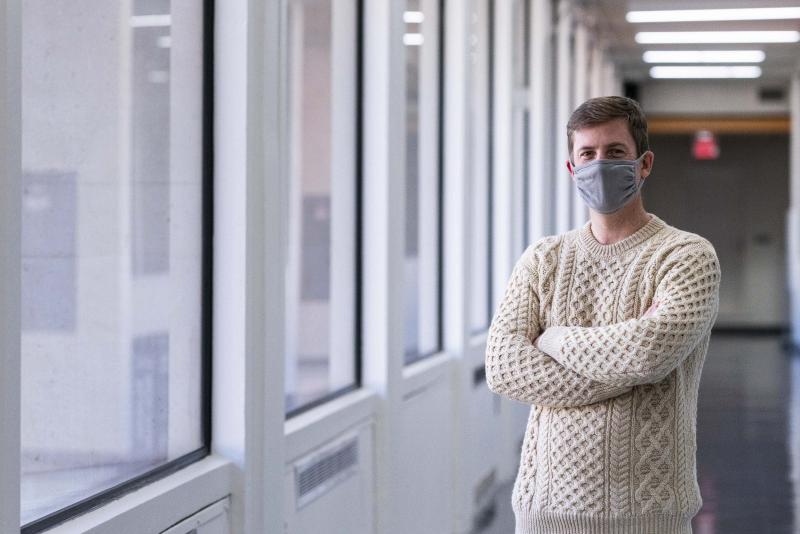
421	277
320	272
480	164
111	244
521	114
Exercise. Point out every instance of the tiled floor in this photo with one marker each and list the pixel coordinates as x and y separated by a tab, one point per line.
748	433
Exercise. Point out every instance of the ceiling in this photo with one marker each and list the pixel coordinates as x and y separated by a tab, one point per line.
608	17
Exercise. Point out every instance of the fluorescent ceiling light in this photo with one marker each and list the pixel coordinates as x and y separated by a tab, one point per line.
413	17
718	37
150	21
413	39
705	72
690	15
703	56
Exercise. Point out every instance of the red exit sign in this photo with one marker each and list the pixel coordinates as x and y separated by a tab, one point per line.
705	145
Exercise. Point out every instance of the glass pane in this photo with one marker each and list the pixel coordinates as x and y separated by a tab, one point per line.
111	244
522	156
320	275
521	116
521	40
421	277
480	132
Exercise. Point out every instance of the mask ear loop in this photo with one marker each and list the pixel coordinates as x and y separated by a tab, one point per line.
637	168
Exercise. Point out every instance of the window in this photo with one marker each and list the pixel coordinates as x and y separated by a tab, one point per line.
521	112
480	43
115	249
423	238
322	191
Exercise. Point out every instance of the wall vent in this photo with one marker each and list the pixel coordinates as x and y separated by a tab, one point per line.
319	473
772	94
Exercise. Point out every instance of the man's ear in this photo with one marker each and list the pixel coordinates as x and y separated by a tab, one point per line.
570	168
647	164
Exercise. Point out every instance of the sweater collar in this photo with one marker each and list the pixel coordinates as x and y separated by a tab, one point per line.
588	242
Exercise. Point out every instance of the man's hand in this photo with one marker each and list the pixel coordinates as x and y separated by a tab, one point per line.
652	309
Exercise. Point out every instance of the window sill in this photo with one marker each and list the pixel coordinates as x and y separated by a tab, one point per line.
308	430
160	505
424	374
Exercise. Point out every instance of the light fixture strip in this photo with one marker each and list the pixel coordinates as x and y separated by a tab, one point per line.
703	56
413	17
705	72
718	37
413	39
693	15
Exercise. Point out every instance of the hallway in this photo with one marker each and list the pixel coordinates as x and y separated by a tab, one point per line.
749	400
349	267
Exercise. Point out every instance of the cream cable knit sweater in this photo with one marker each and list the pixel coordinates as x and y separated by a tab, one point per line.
610	442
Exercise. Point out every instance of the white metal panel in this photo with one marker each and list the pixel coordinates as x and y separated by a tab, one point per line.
250	248
502	176
248	409
580	212
265	266
384	215
213	519
457	245
425	447
541	155
346	506
10	236
561	178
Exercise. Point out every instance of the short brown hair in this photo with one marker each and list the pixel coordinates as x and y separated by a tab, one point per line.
603	109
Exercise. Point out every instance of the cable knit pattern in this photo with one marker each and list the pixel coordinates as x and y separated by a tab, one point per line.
610	442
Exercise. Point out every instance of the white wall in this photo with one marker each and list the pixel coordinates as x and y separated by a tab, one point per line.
729	97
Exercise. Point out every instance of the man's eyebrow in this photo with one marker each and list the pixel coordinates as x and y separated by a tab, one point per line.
610	145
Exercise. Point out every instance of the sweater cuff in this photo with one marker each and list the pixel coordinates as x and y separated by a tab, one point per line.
550	340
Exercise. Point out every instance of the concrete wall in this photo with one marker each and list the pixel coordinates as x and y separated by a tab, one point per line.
723	97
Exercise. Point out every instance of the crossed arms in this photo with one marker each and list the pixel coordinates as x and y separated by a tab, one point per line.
575	365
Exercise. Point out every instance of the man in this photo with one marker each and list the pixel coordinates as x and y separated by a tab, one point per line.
604	330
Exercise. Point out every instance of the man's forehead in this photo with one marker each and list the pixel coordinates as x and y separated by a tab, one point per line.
606	134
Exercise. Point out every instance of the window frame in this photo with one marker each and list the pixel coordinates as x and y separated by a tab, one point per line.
10	275
117	491
441	6
358	222
490	175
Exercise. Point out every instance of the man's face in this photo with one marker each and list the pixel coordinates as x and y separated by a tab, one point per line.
610	140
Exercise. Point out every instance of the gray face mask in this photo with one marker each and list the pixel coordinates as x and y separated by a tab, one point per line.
606	185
